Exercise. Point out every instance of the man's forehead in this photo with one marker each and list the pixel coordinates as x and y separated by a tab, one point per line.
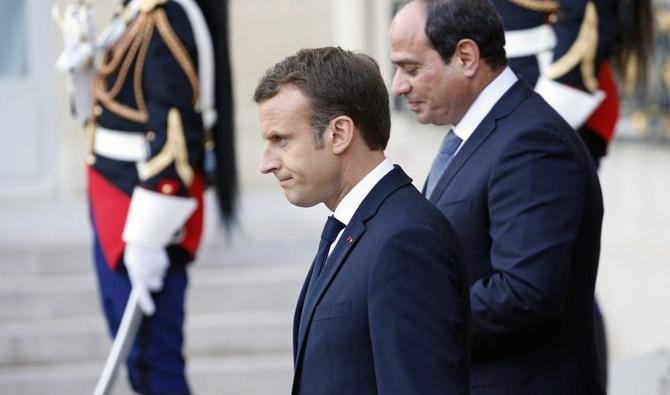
408	27
413	10
289	105
287	99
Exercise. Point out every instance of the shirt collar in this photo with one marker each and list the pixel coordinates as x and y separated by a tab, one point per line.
484	103
349	204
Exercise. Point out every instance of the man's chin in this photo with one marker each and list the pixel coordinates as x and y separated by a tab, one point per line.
421	118
299	201
427	119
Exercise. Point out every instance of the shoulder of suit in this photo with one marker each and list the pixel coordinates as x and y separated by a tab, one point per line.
406	207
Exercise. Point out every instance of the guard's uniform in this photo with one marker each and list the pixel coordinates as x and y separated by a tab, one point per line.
562	47
153	107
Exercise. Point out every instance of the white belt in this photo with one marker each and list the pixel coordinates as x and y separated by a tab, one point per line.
529	42
121	145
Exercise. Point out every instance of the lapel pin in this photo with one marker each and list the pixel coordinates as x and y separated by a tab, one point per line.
350	239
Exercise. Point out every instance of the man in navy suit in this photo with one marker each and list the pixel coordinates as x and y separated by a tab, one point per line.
520	191
384	308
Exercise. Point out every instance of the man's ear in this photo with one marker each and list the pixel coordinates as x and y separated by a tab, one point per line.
467	56
342	128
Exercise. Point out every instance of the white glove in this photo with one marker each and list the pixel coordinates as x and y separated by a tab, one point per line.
146	266
78	54
76	22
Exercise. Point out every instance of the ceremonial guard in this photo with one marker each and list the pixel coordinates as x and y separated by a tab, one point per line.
564	48
154	91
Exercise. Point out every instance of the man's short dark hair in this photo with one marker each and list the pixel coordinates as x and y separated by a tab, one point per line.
337	82
449	21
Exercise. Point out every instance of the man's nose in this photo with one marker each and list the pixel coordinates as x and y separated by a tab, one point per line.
399	85
268	161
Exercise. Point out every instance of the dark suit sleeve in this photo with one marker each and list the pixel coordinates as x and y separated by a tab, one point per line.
536	196
418	313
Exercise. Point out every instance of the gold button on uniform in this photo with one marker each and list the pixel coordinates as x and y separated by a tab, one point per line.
167	189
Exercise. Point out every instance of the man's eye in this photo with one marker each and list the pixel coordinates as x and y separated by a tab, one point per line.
411	71
278	139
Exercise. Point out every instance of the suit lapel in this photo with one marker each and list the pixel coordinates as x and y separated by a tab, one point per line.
332	265
519	91
298	311
480	134
395	179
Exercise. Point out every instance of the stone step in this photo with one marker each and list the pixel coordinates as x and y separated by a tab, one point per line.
18	262
264	216
224	288
242	291
230	375
237	309
84	339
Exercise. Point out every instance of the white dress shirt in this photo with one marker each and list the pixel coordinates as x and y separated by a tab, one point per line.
349	204
483	105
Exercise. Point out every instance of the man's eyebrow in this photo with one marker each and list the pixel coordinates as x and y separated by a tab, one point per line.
404	62
274	133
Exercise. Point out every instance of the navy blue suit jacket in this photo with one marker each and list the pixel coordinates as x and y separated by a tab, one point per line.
390	312
525	202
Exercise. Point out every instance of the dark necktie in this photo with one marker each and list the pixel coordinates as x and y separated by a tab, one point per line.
330	231
450	144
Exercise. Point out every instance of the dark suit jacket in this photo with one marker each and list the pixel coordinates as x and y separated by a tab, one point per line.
524	199
390	313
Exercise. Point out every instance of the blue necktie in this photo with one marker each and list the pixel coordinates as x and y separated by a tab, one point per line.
328	235
330	231
448	148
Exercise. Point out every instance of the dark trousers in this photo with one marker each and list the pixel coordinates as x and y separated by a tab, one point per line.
155	363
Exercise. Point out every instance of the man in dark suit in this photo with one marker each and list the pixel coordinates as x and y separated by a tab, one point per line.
521	192
565	49
384	307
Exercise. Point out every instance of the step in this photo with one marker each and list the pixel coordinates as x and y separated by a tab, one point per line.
222	288
232	310
17	263
263	215
234	375
84	339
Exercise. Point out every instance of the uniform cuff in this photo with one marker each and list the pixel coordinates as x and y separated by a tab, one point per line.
154	219
574	105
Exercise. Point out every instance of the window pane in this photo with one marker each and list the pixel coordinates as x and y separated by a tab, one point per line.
13	43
